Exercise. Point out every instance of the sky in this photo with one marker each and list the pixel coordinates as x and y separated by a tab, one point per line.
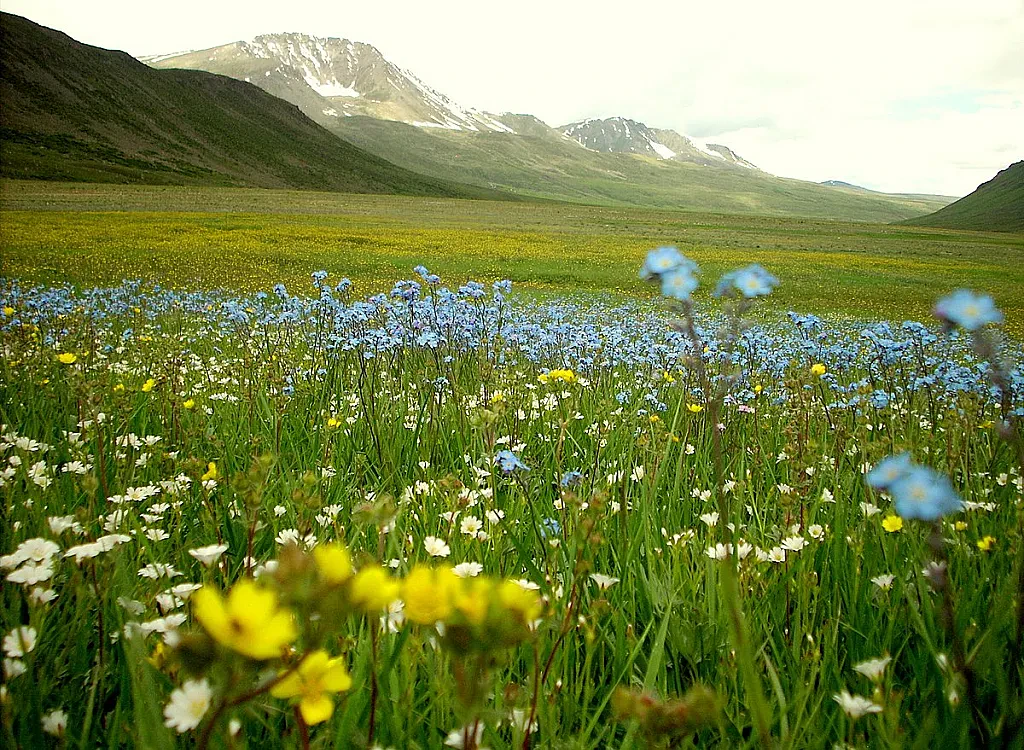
913	96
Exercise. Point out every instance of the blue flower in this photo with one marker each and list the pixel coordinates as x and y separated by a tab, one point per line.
751	281
550	527
662	260
509	462
925	494
678	284
889	470
968	310
571	479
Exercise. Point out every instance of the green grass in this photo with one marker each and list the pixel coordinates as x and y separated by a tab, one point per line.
551	167
997	205
663	626
251	239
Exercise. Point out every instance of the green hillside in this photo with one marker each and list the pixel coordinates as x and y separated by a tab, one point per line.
69	111
996	206
552	166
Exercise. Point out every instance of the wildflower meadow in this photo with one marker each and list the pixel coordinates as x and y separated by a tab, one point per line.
449	516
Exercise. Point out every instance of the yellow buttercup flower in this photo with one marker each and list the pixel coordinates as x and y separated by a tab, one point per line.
960	526
312	684
518	600
211	472
668	377
892	523
119	388
8	311
373	589
758	388
148	385
428	594
248	621
189	404
818	369
334	563
695	408
986	543
333	423
67	358
497	397
473	599
566	376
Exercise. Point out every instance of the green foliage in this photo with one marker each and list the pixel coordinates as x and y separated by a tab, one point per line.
996	206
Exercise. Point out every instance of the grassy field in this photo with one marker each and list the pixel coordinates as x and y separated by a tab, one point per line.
541	558
250	239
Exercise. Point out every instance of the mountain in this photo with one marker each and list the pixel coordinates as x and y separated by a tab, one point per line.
620	135
996	206
357	94
330	78
71	111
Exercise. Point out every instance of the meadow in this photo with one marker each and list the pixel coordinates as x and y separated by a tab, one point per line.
248	504
249	239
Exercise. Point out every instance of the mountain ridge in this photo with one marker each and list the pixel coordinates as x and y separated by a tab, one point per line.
996	205
73	111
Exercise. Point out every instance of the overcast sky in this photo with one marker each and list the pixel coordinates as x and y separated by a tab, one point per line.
896	95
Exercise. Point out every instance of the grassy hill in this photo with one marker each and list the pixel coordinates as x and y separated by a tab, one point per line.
996	206
69	111
548	165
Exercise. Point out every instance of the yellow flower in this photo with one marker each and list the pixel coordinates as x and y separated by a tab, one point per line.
960	526
818	369
148	385
521	601
248	622
8	311
497	397
695	408
654	419
119	388
334	563
892	523
189	404
566	376
758	388
373	589
428	594
333	422
211	472
473	599
312	683
668	377
67	358
986	543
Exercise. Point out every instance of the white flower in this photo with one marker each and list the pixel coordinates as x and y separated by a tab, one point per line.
60	524
777	555
188	705
794	543
603	582
20	641
870	509
873	669
470	525
457	738
826	496
436	547
55	723
210	554
30	574
13	668
39	595
280	510
638	473
468	569
817	532
856	706
156	570
711	519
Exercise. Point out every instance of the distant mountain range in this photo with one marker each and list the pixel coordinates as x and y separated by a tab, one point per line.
71	111
996	206
352	90
74	112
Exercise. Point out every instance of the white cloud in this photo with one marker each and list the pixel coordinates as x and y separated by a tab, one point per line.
907	95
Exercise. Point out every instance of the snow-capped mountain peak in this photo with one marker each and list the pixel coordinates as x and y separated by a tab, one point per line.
331	77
